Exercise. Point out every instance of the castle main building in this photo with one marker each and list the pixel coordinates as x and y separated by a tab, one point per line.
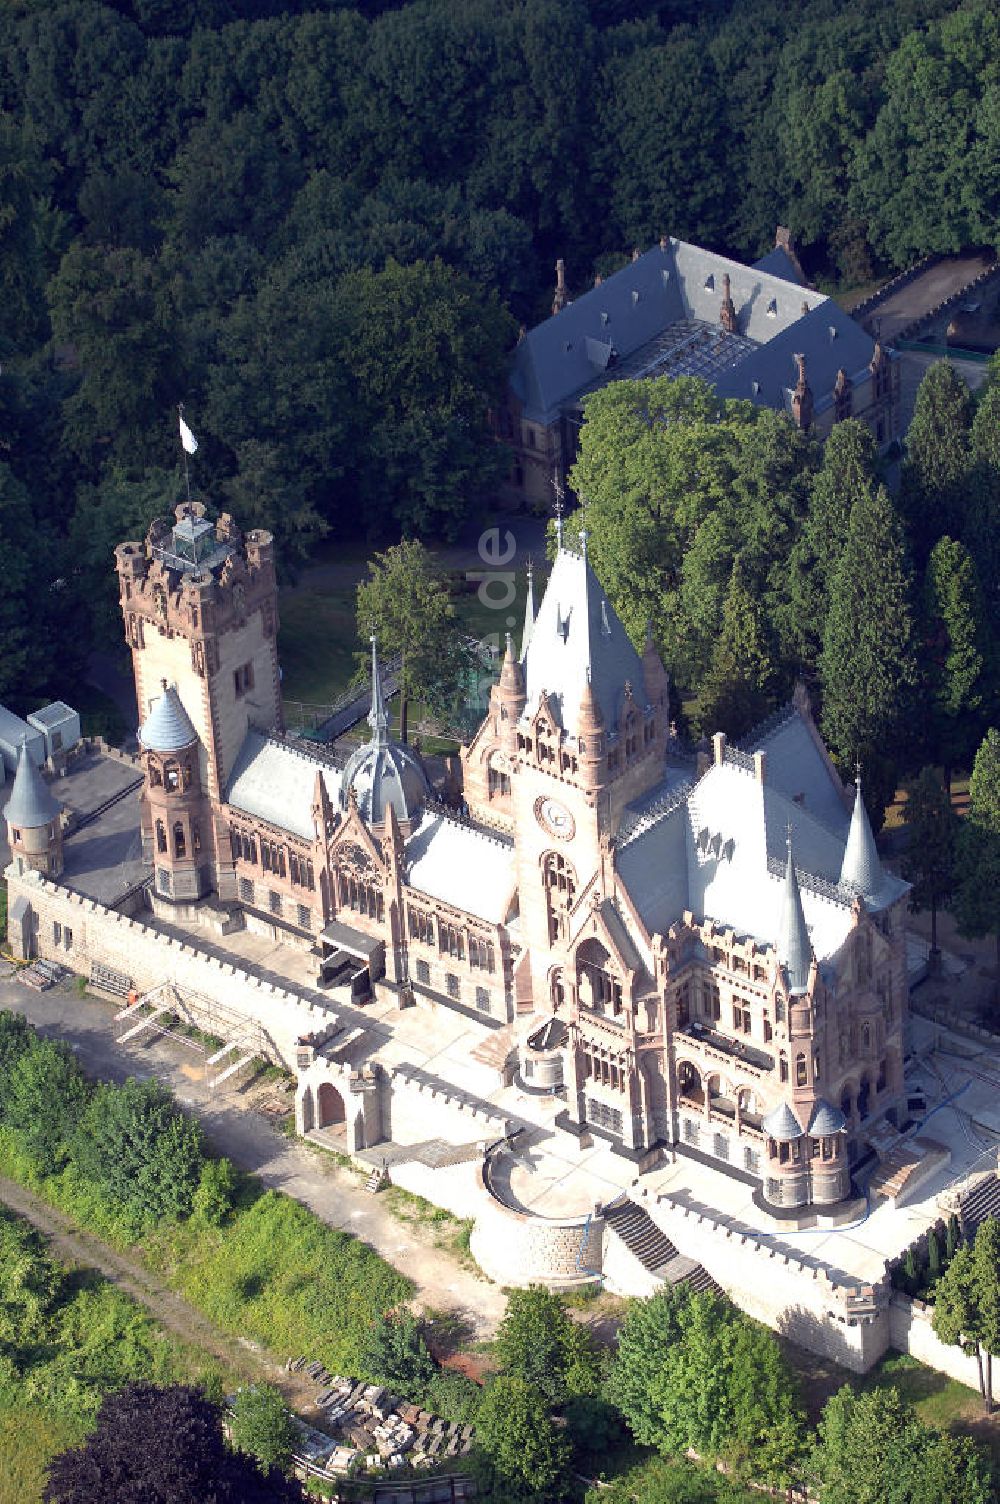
708	956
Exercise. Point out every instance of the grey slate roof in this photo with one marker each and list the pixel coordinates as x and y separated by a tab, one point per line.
584	344
862	869
383	773
461	866
782	1124
168	726
576	631
275	782
826	1120
794	947
778	263
31	803
797	767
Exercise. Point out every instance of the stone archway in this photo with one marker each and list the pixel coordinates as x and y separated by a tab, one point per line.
330	1111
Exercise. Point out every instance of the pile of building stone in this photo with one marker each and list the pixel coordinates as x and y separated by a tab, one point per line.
385	1430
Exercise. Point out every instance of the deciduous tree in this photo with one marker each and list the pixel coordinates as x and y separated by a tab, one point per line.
527	1455
261	1426
539	1342
163	1446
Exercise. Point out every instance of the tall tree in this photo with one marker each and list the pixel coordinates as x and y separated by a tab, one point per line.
405	602
871	1448
164	1446
967	1303
539	1342
935	476
846	475
867	667
956	638
528	1457
692	1371
982	514
425	351
736	691
977	884
929	859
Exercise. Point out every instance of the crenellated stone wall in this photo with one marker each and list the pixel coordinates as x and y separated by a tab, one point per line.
848	1322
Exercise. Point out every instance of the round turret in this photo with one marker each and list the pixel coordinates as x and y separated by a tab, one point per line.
32	812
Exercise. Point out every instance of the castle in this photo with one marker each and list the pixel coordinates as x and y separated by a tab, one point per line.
698	956
755	333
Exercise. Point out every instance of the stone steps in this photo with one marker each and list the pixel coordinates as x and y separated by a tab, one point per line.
654	1250
641	1235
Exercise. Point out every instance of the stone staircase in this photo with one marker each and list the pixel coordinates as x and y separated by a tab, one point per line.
654	1250
905	1168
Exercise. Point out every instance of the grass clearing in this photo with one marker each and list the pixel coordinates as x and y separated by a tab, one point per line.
67	1338
447	1232
279	1276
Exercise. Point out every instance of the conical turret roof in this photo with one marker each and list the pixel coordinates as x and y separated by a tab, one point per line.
861	868
782	1124
31	804
794	945
168	726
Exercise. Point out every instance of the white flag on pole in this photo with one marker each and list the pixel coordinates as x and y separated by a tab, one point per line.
188	441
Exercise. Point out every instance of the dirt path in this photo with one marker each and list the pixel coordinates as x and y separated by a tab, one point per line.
75	1246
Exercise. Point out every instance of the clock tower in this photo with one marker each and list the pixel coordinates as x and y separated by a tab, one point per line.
577	729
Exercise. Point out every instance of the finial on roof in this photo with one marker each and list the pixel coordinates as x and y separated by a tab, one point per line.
378	719
663	242
557	487
163	685
636	253
598	279
529	610
861	869
794	947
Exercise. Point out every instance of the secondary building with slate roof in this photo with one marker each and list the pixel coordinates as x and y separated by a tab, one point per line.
754	332
714	935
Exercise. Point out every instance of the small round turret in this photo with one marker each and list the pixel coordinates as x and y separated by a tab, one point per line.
34	828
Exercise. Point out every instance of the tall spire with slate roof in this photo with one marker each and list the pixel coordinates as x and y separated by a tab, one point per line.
794	946
861	869
378	718
529	611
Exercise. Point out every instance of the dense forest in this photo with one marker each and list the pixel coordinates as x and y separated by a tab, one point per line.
320	227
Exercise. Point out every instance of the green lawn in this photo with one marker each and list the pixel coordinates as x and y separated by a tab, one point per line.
317	642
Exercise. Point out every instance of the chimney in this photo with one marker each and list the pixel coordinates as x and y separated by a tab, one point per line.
760	766
598	279
663	242
560	300
636	253
719	747
727	313
802	397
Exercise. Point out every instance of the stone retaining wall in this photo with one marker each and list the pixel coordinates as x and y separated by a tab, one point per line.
149	957
515	1248
846	1322
911	1332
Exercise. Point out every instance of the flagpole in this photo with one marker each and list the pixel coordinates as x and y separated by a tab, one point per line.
187	477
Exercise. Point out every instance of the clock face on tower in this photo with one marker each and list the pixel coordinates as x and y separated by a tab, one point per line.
555	818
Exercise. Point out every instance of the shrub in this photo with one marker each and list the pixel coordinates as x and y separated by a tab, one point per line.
396	1354
262	1427
214	1198
454	1397
141	1152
